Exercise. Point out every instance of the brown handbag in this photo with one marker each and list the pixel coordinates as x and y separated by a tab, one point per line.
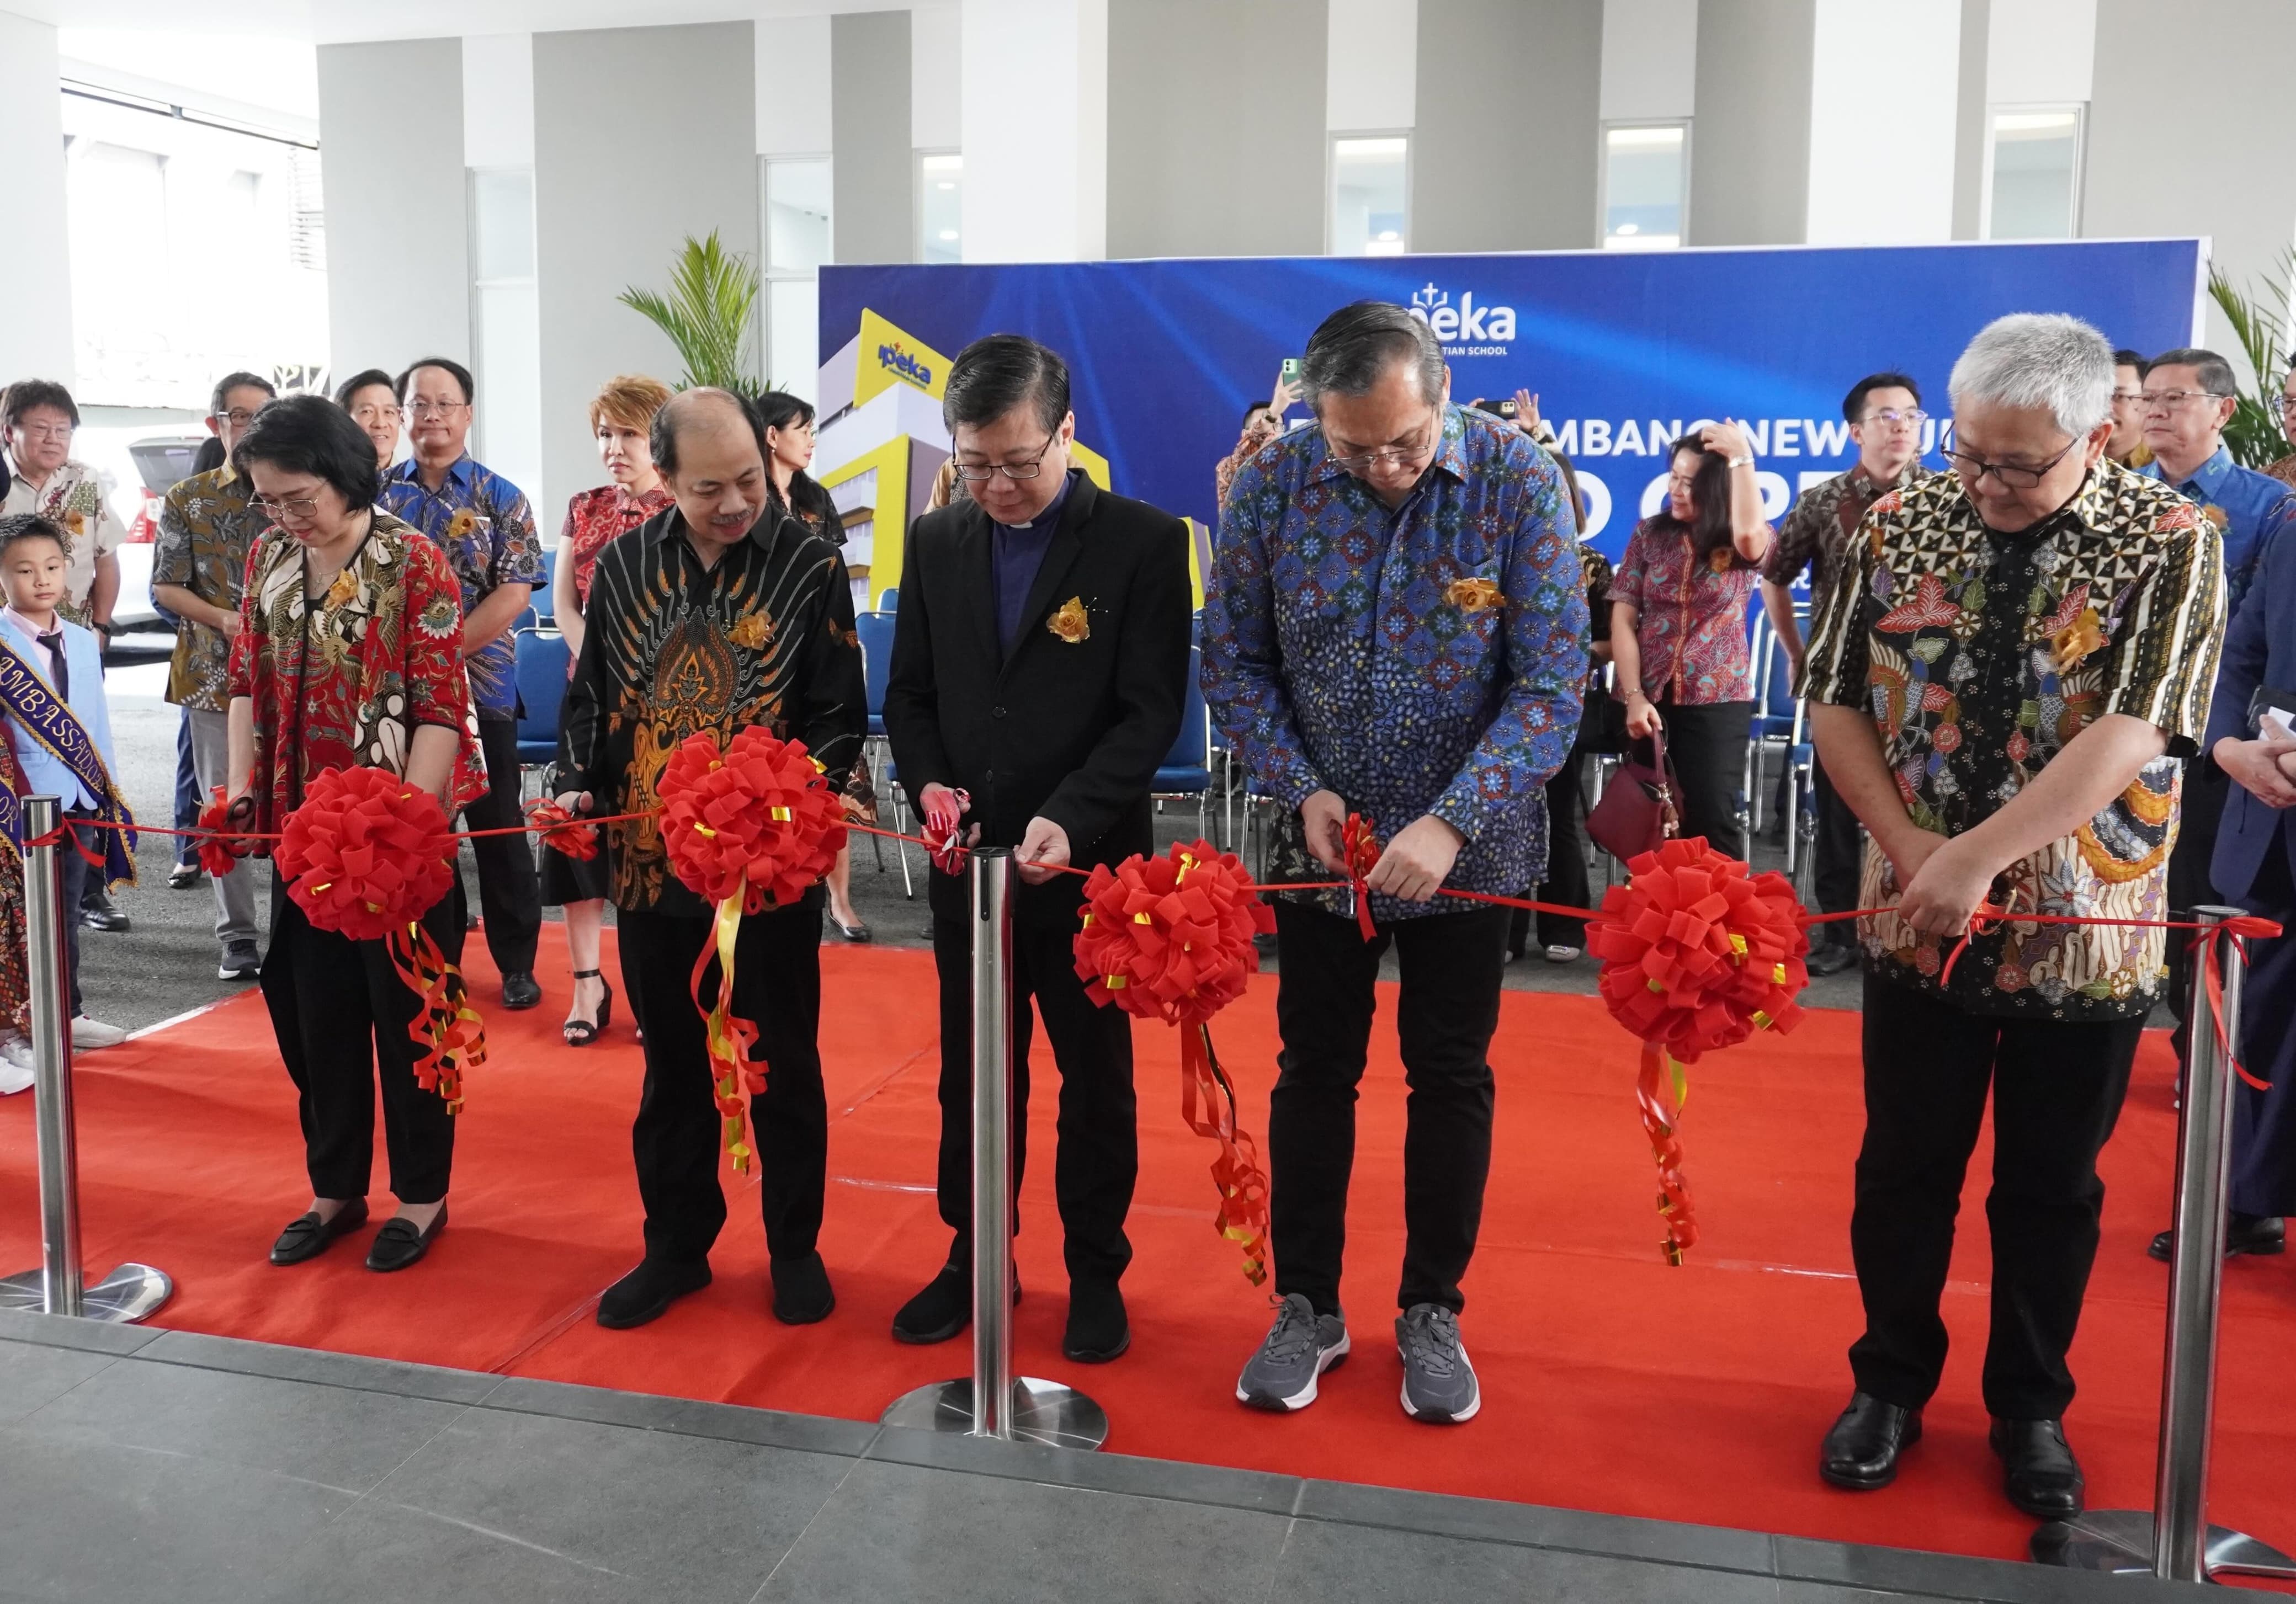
1637	812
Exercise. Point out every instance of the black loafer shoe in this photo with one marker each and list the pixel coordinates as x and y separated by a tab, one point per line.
102	916
2260	1234
400	1244
945	1308
1097	1330
2038	1471
308	1235
182	876
1834	958
803	1295
646	1292
519	990
1861	1451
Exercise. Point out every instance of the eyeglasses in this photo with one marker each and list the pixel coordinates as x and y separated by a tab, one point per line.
1890	417
974	473
239	417
1398	456
46	431
435	409
294	506
2014	476
2121	398
2283	405
2169	400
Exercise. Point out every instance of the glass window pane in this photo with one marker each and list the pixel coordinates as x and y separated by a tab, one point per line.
1641	188
2034	157
1368	196
797	216
793	316
941	208
502	203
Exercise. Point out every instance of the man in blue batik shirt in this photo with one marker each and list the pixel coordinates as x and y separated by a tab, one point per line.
2189	397
1396	627
481	521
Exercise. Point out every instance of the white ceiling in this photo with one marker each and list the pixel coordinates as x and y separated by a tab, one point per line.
336	21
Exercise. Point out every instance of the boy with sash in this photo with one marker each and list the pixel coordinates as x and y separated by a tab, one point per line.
59	733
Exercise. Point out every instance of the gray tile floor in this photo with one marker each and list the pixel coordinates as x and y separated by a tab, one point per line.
140	1464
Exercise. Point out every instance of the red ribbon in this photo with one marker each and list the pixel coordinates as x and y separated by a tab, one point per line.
1660	1075
220	847
1359	846
561	831
448	1036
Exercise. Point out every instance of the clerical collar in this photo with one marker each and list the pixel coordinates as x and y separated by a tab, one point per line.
1050	517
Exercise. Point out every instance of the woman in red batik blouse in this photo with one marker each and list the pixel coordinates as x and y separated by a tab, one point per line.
621	417
348	653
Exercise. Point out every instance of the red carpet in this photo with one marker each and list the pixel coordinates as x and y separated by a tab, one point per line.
1610	1382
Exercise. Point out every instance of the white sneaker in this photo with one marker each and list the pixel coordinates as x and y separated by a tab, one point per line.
15	1066
1559	954
91	1034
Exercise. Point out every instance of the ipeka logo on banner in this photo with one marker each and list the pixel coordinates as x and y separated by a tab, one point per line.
1467	329
1627	352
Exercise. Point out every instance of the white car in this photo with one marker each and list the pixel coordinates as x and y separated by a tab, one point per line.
137	475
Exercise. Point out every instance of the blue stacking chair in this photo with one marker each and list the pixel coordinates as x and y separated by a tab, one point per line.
542	658
1187	769
876	631
890	602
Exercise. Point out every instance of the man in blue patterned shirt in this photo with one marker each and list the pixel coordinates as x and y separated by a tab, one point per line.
481	521
1395	627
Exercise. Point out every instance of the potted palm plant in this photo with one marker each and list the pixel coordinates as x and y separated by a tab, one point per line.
710	313
2259	324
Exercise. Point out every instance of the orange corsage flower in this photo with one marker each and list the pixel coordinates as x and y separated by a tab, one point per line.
751	631
1070	621
2078	639
1473	595
345	587
1718	558
463	522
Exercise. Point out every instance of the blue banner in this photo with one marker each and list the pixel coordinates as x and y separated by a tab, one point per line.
1624	350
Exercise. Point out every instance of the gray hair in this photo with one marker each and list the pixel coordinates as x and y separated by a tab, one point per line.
2030	359
1351	350
2214	372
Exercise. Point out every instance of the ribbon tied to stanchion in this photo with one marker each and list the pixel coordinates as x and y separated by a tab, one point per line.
366	856
750	827
1170	939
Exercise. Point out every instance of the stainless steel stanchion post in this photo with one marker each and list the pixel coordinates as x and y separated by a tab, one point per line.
2174	1539
992	1401
132	1291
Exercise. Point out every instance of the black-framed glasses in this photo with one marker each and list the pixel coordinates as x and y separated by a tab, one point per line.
2283	405
1399	456
294	506
2014	476
239	417
974	473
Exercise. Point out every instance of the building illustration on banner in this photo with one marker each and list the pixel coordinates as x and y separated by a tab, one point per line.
880	442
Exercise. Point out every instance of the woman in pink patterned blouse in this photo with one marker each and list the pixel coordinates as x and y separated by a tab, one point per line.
621	417
1679	626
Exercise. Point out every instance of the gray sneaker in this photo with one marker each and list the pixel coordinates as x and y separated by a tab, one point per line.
239	961
1439	1384
1300	1346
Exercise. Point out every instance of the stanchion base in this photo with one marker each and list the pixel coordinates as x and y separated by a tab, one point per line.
2120	1541
126	1295
1043	1412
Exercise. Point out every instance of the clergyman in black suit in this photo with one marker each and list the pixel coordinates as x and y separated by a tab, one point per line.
1040	661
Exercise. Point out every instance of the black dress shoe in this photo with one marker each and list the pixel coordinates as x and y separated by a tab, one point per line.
646	1292
306	1236
519	990
1097	1330
1861	1451
1832	958
2038	1471
2260	1234
184	876
802	1294
400	1244
97	914
945	1308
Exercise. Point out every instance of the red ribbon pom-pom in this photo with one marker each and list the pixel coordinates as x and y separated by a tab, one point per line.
562	832
758	822
220	851
366	852
1170	937
1697	953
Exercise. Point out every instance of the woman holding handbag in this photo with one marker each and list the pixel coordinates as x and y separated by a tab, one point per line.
1679	606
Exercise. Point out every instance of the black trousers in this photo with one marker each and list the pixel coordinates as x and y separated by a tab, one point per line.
341	1015
2057	1088
2206	789
1324	1001
2263	1122
1707	745
77	876
676	1137
1566	864
510	896
1837	854
1098	1159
